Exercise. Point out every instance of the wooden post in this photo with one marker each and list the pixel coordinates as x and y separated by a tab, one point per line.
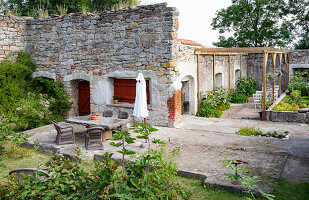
248	65
214	73
264	84
288	70
273	62
284	80
279	60
198	81
229	71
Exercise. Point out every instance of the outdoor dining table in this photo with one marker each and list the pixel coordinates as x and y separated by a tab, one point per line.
108	123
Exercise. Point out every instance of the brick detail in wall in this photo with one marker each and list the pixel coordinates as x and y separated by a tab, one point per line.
174	109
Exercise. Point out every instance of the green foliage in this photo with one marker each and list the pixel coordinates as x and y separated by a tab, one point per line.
213	103
245	85
299	82
208	111
109	180
248	181
9	140
257	132
282	106
29	103
58	98
250	131
35	7
300	12
254	23
238	97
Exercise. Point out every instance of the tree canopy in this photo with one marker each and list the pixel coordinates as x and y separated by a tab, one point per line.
300	16
35	7
254	23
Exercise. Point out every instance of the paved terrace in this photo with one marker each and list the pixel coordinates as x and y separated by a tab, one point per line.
205	140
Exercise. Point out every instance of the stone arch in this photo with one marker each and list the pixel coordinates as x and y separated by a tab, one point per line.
218	79
78	76
188	96
44	74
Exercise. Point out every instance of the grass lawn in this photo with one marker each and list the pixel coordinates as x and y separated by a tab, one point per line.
283	190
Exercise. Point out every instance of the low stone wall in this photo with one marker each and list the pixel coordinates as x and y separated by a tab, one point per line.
287	116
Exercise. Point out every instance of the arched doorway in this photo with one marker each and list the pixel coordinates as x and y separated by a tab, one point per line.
218	80
187	95
237	74
83	98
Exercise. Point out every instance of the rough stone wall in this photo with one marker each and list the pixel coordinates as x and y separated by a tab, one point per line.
99	48
299	59
256	69
12	35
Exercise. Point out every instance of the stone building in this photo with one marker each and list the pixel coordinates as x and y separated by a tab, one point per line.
98	57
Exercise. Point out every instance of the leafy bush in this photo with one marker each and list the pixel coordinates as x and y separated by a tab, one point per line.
257	132
237	97
282	106
208	111
299	82
58	98
245	85
23	101
249	131
109	179
214	103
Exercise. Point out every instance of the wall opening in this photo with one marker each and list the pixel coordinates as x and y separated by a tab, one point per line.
218	79
237	74
185	97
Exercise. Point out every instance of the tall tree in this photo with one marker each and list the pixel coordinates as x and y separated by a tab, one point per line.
253	23
300	16
33	7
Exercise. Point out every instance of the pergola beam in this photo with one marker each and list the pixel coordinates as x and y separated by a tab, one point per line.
239	50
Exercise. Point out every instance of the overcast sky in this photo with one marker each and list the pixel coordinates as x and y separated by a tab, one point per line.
195	17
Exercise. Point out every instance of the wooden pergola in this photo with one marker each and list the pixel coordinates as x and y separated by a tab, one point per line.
245	51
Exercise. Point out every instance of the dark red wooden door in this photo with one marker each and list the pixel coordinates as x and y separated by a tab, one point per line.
83	98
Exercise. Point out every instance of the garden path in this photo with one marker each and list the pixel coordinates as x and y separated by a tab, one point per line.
242	111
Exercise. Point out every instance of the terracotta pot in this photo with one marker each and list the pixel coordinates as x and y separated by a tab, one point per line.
94	117
115	101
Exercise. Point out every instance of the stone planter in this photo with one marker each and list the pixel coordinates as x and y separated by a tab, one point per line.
287	116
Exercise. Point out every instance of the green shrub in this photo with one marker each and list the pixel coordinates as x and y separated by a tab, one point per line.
298	82
245	85
237	97
109	179
208	111
59	100
26	102
249	131
282	106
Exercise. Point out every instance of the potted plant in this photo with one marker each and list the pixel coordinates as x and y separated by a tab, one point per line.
116	99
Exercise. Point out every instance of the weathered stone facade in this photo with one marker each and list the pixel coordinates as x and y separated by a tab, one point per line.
119	45
299	59
99	48
13	35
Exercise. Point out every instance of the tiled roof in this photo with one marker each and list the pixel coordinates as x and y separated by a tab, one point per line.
189	42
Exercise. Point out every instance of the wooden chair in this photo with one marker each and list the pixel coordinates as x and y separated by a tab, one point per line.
93	139
65	133
108	113
31	172
123	115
